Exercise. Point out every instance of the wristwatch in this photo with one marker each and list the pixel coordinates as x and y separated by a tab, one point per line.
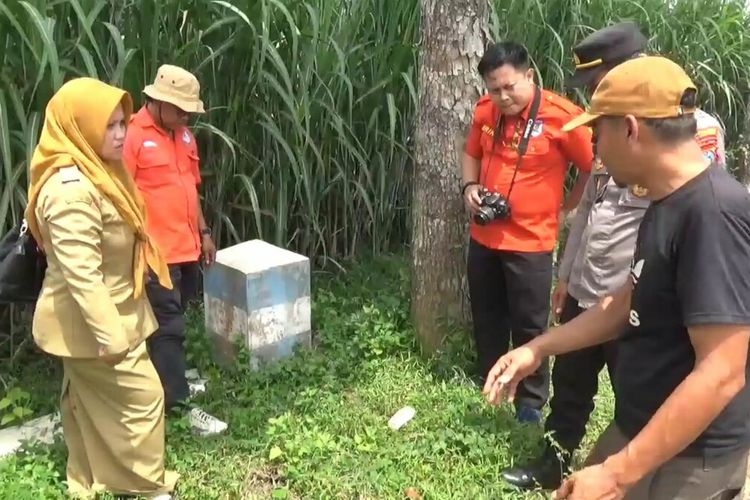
467	184
206	232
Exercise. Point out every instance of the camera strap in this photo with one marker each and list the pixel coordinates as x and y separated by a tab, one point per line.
523	144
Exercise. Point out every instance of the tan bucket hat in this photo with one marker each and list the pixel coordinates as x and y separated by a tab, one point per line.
176	86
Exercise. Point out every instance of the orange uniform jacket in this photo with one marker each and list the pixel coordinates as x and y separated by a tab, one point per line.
167	173
537	194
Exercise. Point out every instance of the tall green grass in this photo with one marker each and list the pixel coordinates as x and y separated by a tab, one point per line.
312	102
310	105
710	38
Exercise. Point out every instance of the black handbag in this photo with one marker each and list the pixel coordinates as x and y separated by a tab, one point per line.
22	266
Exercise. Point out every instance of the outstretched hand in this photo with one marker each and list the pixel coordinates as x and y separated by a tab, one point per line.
508	371
592	483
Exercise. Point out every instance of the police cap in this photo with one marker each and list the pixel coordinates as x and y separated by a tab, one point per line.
608	46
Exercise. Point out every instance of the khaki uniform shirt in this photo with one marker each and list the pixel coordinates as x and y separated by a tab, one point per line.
87	296
601	242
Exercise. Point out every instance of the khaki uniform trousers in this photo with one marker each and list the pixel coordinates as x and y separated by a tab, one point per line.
113	424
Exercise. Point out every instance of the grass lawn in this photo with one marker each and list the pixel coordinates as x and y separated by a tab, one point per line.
315	426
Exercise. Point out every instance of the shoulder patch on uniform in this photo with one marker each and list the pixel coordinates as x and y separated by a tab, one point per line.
708	139
707	131
70	174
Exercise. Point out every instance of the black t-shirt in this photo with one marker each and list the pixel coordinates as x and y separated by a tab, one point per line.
691	267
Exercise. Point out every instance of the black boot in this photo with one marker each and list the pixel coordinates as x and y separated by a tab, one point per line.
546	471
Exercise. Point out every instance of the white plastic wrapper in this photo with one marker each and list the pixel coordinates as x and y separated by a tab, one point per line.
401	417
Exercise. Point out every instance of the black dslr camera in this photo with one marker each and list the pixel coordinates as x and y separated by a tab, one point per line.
492	206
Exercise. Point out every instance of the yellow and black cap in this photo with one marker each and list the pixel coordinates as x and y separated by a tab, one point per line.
608	46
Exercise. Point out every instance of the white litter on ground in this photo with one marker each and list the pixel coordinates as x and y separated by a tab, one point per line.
401	417
196	384
196	387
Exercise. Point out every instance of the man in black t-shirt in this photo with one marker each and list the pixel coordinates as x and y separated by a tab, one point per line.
682	322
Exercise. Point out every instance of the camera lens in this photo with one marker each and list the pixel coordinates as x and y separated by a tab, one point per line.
484	216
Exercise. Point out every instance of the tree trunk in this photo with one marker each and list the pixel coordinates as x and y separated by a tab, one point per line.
454	34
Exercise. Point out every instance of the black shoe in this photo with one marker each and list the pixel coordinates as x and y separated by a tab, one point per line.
546	471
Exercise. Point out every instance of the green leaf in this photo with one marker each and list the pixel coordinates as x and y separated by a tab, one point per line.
275	453
7	418
5	403
280	493
45	28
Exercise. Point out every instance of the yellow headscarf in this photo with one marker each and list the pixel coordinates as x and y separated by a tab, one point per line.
74	127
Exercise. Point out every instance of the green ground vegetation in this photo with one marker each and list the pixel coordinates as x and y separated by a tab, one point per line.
315	426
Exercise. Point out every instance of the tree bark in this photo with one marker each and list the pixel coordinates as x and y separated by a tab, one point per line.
454	35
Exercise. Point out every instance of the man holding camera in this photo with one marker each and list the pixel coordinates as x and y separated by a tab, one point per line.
514	166
595	263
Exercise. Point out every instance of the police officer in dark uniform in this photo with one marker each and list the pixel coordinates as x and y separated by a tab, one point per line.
595	263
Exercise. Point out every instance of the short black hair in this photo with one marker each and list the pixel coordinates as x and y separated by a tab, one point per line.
678	129
502	53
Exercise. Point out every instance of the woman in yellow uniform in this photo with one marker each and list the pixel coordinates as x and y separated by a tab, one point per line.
92	311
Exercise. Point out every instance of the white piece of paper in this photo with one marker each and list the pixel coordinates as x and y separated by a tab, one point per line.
401	417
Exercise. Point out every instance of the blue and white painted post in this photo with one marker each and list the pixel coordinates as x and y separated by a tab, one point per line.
258	294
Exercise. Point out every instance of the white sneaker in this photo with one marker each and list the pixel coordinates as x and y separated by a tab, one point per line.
205	424
165	496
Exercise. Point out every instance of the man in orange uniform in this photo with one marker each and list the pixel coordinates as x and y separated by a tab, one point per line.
514	166
161	154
